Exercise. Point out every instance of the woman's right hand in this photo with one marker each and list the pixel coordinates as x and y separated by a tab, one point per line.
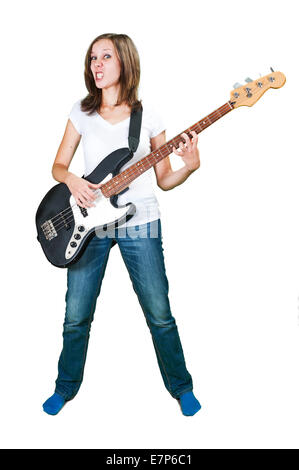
82	190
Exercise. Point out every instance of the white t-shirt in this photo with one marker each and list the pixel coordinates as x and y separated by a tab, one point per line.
100	138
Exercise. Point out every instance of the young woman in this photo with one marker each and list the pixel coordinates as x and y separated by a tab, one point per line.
112	73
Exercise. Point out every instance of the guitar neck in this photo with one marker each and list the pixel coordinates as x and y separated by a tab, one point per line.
122	180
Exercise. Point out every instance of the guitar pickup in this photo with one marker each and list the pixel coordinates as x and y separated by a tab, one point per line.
66	224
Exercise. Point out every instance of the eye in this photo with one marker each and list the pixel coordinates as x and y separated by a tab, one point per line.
93	57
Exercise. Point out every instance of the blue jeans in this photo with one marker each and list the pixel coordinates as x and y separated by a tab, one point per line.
143	257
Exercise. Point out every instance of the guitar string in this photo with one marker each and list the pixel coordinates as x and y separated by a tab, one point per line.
61	213
123	184
132	171
66	212
67	217
129	173
151	158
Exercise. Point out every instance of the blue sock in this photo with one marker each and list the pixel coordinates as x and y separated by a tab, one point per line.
189	404
53	405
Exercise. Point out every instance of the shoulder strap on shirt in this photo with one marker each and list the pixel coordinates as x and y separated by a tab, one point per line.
134	129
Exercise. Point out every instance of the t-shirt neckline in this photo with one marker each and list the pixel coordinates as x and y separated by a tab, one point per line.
109	123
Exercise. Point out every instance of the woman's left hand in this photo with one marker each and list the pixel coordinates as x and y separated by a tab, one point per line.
189	151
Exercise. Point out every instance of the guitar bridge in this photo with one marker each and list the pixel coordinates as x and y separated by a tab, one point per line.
49	229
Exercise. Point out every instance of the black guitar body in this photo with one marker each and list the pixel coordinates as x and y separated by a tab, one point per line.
55	221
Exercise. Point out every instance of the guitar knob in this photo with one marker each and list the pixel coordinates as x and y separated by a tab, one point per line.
81	228
73	244
77	236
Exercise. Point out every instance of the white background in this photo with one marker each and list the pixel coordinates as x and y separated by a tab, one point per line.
231	232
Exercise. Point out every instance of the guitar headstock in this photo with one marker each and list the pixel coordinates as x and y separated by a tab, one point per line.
249	94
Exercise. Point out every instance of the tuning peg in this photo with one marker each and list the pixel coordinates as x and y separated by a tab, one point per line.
271	70
248	80
237	85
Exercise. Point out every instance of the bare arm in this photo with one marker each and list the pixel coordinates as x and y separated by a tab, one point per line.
167	178
80	188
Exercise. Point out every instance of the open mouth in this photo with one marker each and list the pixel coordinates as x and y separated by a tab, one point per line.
99	75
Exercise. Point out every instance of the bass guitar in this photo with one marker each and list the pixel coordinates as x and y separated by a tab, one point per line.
64	228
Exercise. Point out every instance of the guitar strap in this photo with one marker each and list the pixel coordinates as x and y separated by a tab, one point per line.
134	137
134	129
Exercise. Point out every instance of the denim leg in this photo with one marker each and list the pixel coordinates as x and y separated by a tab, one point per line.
143	256
84	280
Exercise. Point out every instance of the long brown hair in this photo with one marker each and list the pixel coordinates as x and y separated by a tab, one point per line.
129	74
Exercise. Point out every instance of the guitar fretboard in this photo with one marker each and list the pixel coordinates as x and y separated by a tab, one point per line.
122	180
